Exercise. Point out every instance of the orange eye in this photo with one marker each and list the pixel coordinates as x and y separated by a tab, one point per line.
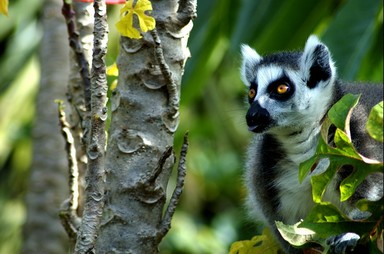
282	89
251	93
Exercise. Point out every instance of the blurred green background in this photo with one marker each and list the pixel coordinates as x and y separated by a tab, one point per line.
210	216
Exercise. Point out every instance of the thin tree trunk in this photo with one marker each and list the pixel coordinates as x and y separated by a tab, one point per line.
42	231
144	118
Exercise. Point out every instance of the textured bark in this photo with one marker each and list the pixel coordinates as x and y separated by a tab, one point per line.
84	14
141	133
95	175
42	231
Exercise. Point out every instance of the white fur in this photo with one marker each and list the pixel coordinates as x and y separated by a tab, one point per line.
250	58
265	76
296	198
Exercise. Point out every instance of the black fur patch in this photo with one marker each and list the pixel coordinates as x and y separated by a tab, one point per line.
320	69
270	156
288	59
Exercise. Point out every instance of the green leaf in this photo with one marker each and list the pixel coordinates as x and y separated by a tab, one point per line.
326	220
320	182
376	208
341	111
305	167
362	170
375	122
343	142
323	213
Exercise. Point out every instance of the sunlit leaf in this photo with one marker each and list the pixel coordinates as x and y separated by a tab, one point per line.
4	7
112	70
375	122
294	235
348	185
113	85
326	220
259	244
126	23
341	111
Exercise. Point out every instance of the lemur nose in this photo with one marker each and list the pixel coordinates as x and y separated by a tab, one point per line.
257	117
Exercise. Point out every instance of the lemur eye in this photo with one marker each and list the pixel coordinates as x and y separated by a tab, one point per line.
252	93
282	88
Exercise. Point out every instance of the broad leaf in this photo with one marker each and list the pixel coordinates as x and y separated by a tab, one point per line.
340	112
375	122
326	220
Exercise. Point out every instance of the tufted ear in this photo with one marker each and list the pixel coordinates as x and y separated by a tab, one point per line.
316	64
250	58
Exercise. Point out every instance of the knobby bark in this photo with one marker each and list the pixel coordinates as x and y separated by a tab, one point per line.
96	139
84	21
144	119
48	174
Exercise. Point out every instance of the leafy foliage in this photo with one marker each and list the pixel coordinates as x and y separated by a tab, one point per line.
325	219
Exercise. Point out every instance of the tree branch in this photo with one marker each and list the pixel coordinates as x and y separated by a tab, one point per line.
173	95
95	177
79	118
181	172
75	44
68	216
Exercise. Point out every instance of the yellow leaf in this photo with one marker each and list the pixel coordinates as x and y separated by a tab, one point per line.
125	24
112	70
113	85
4	7
259	244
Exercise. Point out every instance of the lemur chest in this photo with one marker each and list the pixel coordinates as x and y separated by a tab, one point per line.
295	198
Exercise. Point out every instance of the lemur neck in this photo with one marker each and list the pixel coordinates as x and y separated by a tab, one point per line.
300	144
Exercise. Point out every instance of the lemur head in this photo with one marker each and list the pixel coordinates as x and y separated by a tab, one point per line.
288	90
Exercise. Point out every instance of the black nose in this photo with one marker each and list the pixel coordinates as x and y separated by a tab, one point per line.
258	118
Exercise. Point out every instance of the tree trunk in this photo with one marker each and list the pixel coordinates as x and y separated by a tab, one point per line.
43	232
144	119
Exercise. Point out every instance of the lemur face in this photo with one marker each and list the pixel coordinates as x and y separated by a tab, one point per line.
287	90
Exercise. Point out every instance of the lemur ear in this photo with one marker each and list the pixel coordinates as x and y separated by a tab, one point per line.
316	63
250	58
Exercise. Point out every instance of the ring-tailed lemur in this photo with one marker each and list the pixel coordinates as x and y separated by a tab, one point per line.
289	95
